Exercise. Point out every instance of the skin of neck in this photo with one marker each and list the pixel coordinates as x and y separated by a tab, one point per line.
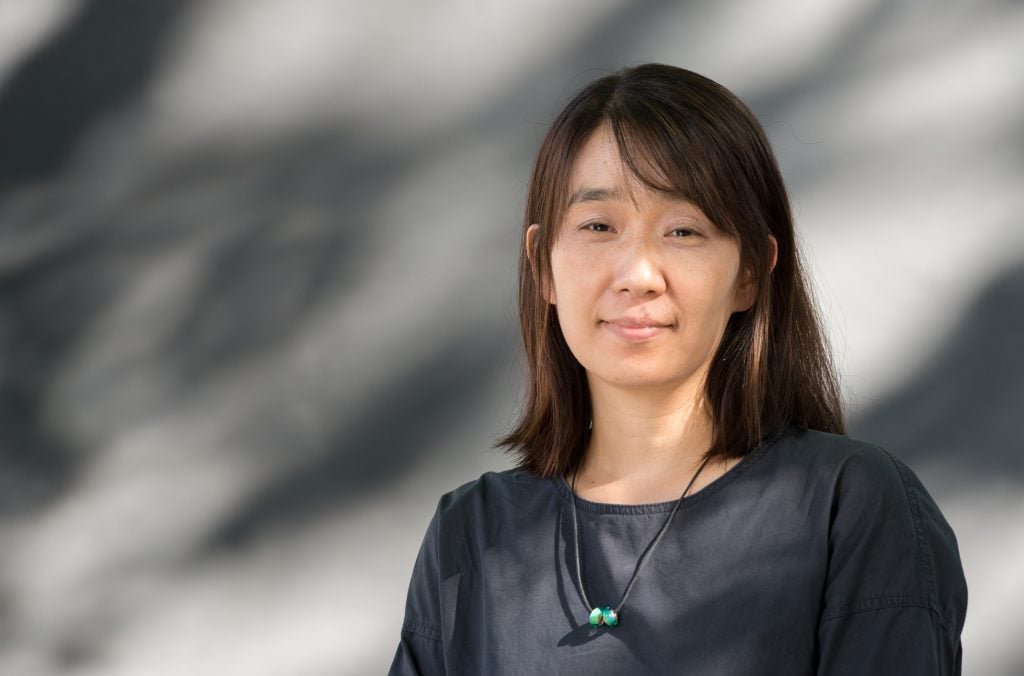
646	444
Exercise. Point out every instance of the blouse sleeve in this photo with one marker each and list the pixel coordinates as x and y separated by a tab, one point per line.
419	649
895	596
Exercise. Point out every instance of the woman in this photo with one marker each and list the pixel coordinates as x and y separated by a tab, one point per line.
685	499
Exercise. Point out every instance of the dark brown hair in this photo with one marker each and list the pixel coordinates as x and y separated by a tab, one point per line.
683	134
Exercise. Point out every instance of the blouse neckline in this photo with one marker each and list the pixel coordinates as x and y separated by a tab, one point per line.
728	477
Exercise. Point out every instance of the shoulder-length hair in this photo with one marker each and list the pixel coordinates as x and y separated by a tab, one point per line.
683	134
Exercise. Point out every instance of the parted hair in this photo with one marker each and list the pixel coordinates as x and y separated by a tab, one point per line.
685	135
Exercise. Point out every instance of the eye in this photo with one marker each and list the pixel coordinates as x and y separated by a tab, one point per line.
684	232
596	227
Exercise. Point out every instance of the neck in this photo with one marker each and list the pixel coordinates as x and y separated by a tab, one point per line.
645	444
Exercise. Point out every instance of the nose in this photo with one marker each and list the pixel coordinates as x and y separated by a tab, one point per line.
639	269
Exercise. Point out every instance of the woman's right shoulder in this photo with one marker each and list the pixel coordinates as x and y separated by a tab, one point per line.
493	508
494	490
495	504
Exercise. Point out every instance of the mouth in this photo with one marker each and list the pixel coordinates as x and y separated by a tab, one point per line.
635	332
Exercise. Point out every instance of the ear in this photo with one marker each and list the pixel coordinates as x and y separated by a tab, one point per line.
746	291
531	242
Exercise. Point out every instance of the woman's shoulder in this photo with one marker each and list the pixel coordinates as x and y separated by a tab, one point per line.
872	495
863	468
829	447
493	507
859	471
496	492
889	540
861	477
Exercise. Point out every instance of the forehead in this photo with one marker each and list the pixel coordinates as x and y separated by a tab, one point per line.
600	173
599	162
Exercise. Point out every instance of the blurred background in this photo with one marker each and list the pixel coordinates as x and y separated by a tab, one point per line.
257	264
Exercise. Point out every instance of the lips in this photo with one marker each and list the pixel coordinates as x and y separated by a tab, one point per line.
635	330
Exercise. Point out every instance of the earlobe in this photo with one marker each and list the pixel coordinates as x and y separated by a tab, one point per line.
746	293
532	233
531	238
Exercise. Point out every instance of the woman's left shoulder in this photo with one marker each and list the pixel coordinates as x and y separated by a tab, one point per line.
890	543
827	448
864	471
863	478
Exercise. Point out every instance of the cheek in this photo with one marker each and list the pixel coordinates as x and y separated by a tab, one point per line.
715	291
711	283
576	291
573	304
573	279
704	301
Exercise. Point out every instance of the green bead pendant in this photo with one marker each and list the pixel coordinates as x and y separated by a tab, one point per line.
606	616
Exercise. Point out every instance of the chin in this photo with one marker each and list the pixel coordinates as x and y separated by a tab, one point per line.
642	371
635	379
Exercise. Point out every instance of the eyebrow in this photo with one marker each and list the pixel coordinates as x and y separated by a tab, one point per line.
587	194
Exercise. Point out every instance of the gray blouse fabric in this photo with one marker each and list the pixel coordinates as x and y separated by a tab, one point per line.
815	554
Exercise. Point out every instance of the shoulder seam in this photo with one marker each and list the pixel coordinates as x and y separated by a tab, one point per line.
868	605
414	625
923	546
922	543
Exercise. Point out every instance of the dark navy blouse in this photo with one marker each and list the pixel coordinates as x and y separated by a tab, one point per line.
815	554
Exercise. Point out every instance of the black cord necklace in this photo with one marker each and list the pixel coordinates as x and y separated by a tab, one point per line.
607	615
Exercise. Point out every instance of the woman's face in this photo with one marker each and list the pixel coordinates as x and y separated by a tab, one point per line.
643	289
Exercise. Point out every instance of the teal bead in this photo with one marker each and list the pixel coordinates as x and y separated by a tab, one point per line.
610	617
596	617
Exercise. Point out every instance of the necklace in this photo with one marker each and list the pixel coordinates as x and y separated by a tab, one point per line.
607	615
